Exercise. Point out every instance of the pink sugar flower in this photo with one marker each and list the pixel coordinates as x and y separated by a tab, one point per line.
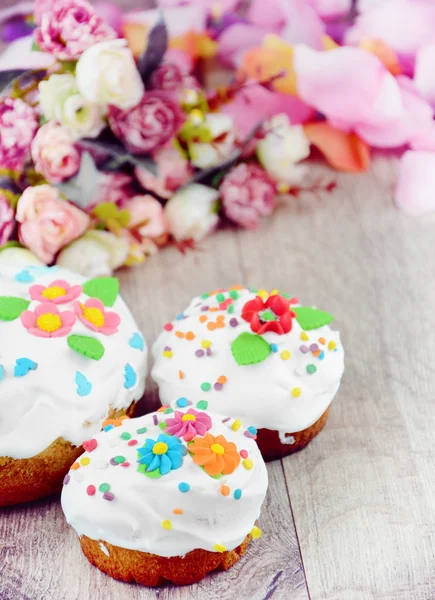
93	314
58	292
188	425
69	28
47	322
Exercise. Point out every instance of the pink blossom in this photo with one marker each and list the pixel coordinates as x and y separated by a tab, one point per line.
94	315
189	424
70	28
405	25
6	220
18	125
146	216
48	223
247	193
415	190
42	6
58	292
170	77
54	153
173	172
111	12
424	76
329	9
149	125
47	322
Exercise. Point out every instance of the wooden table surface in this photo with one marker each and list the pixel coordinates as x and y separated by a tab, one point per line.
351	517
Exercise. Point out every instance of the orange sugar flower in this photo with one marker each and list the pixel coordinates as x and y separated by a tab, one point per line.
215	454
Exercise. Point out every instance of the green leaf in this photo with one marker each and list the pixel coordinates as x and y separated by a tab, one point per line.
108	210
12	307
105	289
35	47
87	346
151	474
312	318
11	244
250	349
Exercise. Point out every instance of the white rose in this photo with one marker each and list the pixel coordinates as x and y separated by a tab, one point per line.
97	253
60	100
209	154
192	212
107	74
283	146
18	257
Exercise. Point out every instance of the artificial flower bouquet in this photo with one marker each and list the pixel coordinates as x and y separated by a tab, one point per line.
112	145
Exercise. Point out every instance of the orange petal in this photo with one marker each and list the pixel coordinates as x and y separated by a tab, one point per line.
197	45
136	35
384	52
231	462
216	467
344	151
328	43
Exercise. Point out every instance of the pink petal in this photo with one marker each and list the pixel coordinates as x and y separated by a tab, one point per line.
61	332
415	190
88	324
35	292
271	15
255	103
328	9
68	318
179	19
39	332
424	77
78	309
60	283
94	303
238	38
19	55
111	320
350	86
28	319
405	25
46	307
303	25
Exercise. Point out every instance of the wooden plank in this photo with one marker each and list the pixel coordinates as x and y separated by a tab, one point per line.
363	492
40	558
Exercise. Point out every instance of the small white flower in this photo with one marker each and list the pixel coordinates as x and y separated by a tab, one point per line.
192	212
60	100
283	146
209	154
97	253
107	74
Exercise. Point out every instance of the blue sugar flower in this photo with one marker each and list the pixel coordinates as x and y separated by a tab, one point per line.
164	454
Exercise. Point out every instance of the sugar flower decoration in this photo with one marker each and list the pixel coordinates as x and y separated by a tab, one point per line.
272	315
165	454
58	292
215	454
46	321
93	314
189	424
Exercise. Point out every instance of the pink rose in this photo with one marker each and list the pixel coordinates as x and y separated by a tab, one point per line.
146	216
172	77
54	153
247	193
149	125
48	223
69	28
40	7
18	125
173	171
6	220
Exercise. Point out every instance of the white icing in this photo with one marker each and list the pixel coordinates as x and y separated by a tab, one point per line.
258	394
133	519
44	404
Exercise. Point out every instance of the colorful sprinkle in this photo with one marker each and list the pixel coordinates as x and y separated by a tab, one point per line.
199	353
220	297
296	392
168	327
104	487
205	386
234	322
179	334
256	533
178	511
137	342
314	347
252	429
237	494
230	309
303	348
182	402
304	336
180	375
285	355
311	369
66	479
132	443
85	461
202	404
205	344
108	496
107	428
179	317
332	345
125	435
234	294
248	464
167	353
90	490
236	425
166	524
211	326
322	355
141	430
203	318
155	420
119	459
130	377
322	341
219	548
183	487
222	379
125	464
244	453
190	336
218	386
225	490
75	466
90	445
274	347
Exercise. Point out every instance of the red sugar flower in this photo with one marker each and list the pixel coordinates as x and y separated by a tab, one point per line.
273	315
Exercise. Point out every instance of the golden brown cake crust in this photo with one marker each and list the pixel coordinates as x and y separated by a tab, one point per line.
27	479
152	570
271	447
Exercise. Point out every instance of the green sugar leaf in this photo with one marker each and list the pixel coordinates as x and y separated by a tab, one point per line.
86	346
12	307
250	349
105	289
312	318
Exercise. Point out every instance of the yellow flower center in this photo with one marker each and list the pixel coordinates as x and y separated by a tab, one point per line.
188	418
217	449
93	315
53	292
160	448
49	322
